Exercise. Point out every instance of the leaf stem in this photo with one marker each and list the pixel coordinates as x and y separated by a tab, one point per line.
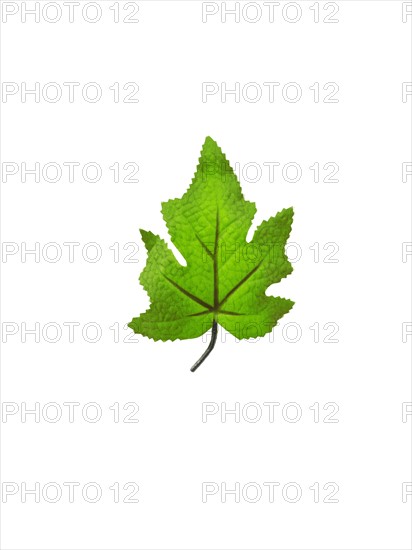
209	348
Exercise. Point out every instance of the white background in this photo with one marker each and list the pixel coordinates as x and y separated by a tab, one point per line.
170	452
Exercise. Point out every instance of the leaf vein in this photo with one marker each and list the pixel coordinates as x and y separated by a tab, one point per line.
240	283
187	293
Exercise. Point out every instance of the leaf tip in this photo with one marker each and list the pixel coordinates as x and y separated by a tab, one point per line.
148	238
286	215
209	141
210	146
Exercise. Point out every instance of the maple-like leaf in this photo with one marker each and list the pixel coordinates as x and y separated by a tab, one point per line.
226	277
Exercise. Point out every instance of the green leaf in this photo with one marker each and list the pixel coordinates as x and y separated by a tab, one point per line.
226	277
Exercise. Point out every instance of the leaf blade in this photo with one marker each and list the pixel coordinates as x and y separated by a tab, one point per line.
222	280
